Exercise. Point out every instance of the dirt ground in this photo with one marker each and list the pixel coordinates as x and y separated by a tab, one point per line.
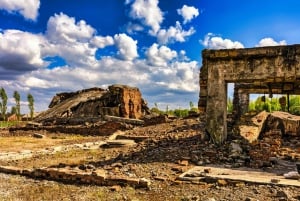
168	150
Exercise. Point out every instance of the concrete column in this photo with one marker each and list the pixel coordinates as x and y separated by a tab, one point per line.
240	101
244	102
216	110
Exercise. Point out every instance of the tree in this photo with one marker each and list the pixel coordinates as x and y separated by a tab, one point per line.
3	96
17	98
192	107
13	110
229	105
30	105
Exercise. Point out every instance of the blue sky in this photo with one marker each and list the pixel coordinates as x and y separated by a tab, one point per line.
53	46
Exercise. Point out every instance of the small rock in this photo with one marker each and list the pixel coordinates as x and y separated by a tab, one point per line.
250	199
292	175
117	165
115	188
183	162
240	184
207	170
38	135
200	162
160	178
222	182
282	195
273	160
144	183
275	181
236	148
82	167
177	169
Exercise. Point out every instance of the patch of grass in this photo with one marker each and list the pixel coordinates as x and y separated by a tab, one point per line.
6	124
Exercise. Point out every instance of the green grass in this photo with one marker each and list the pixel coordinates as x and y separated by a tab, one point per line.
7	124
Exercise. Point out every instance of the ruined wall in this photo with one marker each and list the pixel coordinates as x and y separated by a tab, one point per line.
262	70
130	100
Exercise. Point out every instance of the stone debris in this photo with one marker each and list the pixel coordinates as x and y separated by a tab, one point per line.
38	135
250	128
76	175
287	123
179	143
292	175
222	176
124	120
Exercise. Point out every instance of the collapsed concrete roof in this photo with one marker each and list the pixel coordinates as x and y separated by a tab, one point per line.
117	100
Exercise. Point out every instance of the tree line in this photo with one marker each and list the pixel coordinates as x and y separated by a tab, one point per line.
17	108
180	112
272	104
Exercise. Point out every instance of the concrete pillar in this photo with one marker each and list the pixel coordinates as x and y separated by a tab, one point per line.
203	89
244	102
240	101
216	110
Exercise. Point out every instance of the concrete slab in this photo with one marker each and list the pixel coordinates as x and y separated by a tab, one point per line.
200	173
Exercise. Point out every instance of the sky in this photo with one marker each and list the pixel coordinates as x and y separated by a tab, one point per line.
53	46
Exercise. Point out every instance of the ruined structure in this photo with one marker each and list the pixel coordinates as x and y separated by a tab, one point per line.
263	70
118	100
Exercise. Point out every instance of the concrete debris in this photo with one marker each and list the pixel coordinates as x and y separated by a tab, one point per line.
292	175
118	100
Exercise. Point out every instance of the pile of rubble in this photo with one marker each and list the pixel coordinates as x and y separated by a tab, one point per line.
95	103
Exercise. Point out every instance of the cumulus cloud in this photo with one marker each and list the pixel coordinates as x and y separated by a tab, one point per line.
71	40
214	42
174	34
160	56
188	13
127	47
270	42
102	42
132	28
179	76
62	28
163	71
20	51
148	12
29	8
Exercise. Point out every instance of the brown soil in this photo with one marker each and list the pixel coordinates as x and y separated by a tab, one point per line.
169	150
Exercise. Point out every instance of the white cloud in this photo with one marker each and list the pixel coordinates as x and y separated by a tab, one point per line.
20	51
214	42
270	42
164	71
160	56
102	42
34	82
29	8
188	13
148	12
73	41
174	34
179	76
62	28
131	28
127	47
